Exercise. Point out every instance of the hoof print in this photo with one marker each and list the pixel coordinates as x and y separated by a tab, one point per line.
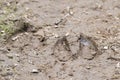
87	47
61	49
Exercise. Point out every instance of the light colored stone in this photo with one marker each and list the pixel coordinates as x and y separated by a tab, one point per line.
35	71
105	47
10	56
118	65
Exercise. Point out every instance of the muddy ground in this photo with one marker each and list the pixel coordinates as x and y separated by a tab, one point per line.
62	40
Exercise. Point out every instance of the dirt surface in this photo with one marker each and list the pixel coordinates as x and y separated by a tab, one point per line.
63	40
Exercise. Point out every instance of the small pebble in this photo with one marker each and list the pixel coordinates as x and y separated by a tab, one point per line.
67	34
15	64
17	55
98	32
105	47
56	26
71	13
10	56
87	67
35	71
118	65
15	38
2	31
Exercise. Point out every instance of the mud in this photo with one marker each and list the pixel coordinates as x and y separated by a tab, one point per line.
46	44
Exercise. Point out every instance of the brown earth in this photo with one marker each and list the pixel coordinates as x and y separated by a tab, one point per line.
63	40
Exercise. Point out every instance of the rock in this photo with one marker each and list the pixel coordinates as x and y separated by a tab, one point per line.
35	71
15	38
56	26
88	67
15	65
67	34
118	65
105	47
10	56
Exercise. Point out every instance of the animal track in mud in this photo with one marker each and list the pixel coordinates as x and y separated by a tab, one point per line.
62	49
88	49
